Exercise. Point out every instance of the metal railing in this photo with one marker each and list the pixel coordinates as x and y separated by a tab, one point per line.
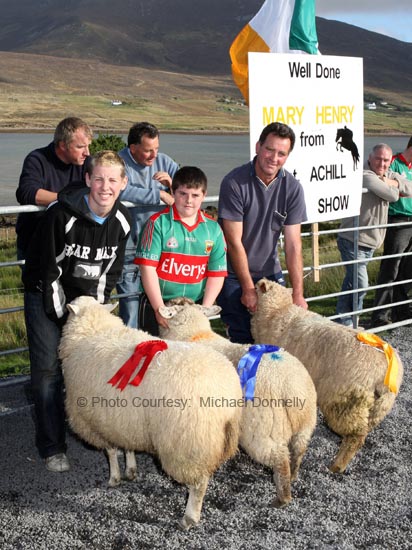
355	314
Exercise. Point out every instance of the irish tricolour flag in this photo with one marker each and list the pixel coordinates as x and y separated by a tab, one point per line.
281	26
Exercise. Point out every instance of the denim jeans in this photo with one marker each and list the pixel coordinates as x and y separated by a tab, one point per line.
345	303
46	376
234	314
129	283
397	240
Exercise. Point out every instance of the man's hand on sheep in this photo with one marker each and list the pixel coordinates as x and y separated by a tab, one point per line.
299	300
249	299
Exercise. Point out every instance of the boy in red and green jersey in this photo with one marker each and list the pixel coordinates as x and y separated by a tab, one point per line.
181	251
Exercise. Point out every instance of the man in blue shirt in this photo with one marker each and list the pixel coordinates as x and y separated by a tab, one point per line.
257	202
149	176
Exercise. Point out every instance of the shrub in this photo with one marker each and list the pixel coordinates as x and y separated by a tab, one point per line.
105	142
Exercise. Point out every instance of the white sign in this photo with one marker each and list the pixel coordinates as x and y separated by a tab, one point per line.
321	98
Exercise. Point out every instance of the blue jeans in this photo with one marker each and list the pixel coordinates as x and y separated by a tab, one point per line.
46	376
346	302
234	314
129	282
397	240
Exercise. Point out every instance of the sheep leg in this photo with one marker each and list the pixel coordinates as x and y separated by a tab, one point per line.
348	448
131	466
114	468
194	504
281	477
298	446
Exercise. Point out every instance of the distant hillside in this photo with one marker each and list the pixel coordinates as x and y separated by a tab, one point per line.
179	35
173	35
387	62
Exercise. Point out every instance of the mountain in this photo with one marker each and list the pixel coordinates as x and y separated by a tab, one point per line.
173	35
179	36
387	62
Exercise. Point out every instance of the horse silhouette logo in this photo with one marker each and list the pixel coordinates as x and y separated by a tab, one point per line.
344	140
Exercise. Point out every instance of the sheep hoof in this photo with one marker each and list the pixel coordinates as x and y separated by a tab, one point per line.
114	482
336	469
186	523
131	474
277	503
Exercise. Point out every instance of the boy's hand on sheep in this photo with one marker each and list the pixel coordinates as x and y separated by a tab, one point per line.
161	321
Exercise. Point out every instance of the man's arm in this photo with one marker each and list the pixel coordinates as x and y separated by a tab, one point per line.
404	185
164	178
44	198
383	187
166	198
140	195
137	193
31	183
238	258
294	263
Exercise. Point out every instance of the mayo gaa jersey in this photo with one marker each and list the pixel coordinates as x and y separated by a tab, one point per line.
184	256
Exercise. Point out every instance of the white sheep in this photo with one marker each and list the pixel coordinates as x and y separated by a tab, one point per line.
349	375
277	425
169	414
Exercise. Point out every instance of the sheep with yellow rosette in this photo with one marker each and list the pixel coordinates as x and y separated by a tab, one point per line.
357	375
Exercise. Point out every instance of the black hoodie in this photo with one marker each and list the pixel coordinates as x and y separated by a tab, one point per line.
72	255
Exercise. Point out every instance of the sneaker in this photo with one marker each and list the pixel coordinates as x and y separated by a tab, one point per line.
58	463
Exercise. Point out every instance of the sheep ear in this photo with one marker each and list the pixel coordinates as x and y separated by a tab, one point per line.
111	307
210	311
262	285
73	309
167	312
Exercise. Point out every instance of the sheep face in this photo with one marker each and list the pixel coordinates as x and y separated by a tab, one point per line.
186	318
272	295
81	303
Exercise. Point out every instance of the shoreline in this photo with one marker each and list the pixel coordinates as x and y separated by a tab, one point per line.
105	131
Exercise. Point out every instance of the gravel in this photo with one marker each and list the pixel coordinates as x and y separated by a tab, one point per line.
367	507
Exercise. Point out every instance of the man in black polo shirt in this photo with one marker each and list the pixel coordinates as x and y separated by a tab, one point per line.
47	170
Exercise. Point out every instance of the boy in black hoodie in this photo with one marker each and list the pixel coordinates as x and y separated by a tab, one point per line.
77	250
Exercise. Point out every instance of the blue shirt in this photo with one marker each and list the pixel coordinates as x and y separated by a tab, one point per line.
143	190
264	210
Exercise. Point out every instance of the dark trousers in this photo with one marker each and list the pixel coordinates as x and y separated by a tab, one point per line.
46	376
234	314
147	319
397	240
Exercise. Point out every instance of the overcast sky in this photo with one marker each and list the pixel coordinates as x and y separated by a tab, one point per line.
393	18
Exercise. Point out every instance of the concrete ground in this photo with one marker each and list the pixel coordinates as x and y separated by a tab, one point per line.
370	506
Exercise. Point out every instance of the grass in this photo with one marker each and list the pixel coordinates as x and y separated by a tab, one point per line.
36	91
13	331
